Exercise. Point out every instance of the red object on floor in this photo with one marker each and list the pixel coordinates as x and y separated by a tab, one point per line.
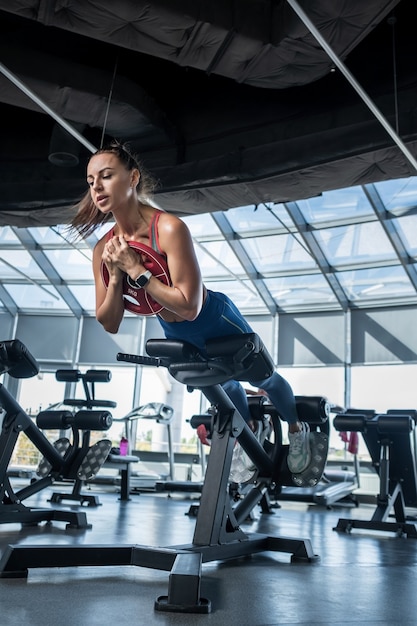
352	439
202	434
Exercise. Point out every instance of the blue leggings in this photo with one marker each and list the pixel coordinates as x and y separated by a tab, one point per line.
219	317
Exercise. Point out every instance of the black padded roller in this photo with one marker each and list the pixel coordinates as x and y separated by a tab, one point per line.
411	412
387	424
93	420
68	376
97	376
91	376
54	420
350	423
312	409
197	420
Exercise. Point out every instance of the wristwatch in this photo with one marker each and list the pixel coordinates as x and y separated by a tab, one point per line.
143	279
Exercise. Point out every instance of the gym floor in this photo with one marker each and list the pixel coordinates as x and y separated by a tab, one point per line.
363	577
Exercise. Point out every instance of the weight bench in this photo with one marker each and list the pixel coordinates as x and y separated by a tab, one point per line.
390	439
91	414
217	532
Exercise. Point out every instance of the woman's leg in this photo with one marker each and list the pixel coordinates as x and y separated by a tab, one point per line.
237	395
282	397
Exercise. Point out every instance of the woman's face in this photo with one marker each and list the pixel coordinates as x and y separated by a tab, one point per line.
111	184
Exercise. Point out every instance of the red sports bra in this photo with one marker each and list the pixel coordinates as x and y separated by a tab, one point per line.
153	234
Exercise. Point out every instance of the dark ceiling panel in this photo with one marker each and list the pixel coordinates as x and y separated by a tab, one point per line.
227	103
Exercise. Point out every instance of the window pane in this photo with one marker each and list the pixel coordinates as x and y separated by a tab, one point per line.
398	195
71	264
385	282
357	243
34	297
19	264
407	228
300	290
336	205
278	253
258	218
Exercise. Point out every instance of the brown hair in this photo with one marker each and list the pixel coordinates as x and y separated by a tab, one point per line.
88	217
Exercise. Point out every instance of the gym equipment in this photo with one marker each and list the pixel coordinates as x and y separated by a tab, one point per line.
313	409
206	419
60	461
132	481
390	439
137	300
217	533
88	403
136	481
162	414
336	485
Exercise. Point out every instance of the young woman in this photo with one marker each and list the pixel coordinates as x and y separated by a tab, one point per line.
119	191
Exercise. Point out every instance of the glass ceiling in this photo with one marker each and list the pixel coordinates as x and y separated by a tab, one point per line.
350	248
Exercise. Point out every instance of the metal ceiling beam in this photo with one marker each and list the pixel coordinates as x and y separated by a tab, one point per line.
317	254
351	79
386	220
48	269
35	98
252	273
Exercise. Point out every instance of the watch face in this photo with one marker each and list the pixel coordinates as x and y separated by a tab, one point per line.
138	283
142	280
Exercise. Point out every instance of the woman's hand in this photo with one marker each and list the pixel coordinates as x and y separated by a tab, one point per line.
109	298
118	255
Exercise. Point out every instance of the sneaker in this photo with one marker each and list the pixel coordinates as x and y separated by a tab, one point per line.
242	468
299	454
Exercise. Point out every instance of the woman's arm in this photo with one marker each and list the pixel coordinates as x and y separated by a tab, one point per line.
109	302
184	297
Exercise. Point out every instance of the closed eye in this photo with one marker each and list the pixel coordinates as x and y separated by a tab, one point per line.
90	183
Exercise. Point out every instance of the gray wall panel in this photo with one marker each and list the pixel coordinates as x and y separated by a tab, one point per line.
263	325
49	338
99	347
378	336
316	339
384	336
6	326
153	329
